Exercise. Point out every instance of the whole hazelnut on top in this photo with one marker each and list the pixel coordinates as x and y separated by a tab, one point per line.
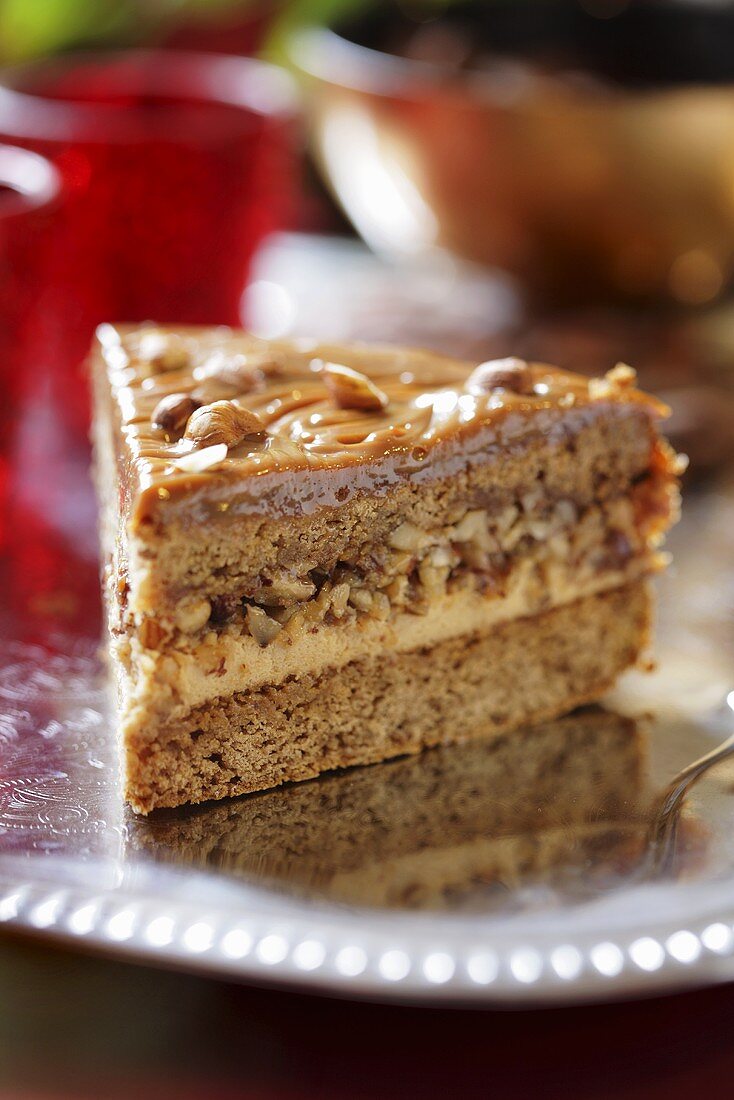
236	373
172	413
161	351
222	422
513	375
351	390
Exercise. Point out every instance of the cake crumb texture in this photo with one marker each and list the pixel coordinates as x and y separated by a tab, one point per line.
524	671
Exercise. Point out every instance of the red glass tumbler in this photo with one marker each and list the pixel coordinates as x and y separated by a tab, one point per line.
29	191
175	166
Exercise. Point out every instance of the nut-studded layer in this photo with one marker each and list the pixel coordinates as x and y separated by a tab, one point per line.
190	574
386	706
412	568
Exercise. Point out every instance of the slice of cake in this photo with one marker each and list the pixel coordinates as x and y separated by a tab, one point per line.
319	556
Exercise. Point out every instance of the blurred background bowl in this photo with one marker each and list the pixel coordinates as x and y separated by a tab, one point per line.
588	149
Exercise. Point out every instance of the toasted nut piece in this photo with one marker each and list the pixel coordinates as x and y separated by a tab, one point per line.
507	517
621	377
343	575
360	598
339	599
238	373
406	537
162	351
397	590
314	610
322	601
192	615
473	528
261	626
433	578
284	591
197	461
501	374
539	529
440	556
401	561
381	606
222	422
171	414
151	633
296	625
351	390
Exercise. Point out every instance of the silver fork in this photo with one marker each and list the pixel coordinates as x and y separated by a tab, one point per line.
663	834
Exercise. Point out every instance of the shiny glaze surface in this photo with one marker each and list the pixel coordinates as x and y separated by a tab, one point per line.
433	416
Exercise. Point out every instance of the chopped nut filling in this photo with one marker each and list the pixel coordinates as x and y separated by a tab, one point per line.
417	567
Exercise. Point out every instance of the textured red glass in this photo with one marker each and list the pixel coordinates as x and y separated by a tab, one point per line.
175	166
29	189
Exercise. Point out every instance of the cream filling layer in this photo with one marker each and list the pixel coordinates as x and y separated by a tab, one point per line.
172	681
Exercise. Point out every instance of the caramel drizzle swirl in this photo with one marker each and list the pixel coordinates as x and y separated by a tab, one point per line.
428	400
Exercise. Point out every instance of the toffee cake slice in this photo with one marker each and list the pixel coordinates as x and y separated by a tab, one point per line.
319	556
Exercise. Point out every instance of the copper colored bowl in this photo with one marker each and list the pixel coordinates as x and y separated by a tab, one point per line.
580	187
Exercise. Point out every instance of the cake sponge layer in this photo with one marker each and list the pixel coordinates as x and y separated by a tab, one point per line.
523	671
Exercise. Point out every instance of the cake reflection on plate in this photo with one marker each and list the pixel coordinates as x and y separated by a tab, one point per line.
563	806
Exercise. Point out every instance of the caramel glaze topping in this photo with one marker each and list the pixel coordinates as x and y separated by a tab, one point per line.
314	407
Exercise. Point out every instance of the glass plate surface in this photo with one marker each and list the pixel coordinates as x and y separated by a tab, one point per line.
556	864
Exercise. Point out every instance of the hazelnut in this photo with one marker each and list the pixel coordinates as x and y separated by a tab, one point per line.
261	626
339	600
296	627
195	462
361	599
406	537
433	578
473	528
285	591
381	606
351	390
402	561
623	375
238	373
162	351
222	422
171	414
511	374
615	381
397	591
192	615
